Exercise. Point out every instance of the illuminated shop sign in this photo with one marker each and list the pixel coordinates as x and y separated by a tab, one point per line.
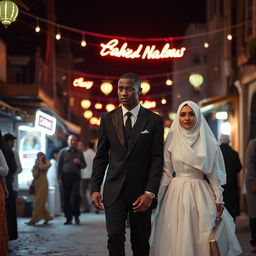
45	123
79	82
113	48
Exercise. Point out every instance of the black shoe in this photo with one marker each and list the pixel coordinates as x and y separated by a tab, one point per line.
77	220
68	222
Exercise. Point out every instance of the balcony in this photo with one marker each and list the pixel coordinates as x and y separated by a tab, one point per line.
30	81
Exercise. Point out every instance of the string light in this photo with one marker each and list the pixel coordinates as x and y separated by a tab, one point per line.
169	82
163	101
83	42
206	45
58	35
134	39
229	37
37	28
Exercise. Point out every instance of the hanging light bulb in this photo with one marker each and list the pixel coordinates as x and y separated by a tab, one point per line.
163	101
83	42
37	28
206	45
58	35
229	37
169	82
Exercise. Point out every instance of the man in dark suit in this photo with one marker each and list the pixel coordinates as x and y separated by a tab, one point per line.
130	148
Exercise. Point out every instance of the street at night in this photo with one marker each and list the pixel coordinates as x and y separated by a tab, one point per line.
112	105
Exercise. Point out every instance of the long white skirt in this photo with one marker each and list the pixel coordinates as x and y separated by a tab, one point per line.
185	218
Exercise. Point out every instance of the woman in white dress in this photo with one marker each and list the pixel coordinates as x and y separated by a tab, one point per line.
188	204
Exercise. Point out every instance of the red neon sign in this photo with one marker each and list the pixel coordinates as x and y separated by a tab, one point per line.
143	51
79	82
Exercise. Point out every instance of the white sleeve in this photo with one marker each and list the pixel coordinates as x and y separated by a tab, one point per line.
3	165
217	189
168	169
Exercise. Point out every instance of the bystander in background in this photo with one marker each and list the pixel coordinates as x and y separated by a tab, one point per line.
250	182
86	174
9	141
53	183
231	194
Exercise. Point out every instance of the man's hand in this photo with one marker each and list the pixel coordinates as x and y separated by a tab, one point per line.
97	201
142	203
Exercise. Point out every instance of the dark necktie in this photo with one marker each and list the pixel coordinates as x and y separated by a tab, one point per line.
128	126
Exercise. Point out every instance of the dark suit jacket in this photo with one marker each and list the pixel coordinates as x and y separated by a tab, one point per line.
140	166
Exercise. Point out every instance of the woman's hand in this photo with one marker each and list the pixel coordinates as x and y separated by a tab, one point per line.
220	208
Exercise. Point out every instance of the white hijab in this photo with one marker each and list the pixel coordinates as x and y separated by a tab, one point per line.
197	146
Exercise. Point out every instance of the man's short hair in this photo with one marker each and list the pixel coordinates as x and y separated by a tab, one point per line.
8	137
133	76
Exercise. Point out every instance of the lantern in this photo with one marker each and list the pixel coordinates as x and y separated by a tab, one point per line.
145	87
98	106
106	88
110	107
196	80
85	104
8	12
88	114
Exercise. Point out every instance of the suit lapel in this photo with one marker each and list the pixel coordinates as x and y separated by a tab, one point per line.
117	119
138	128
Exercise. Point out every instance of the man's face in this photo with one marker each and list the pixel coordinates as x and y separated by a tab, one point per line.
72	141
10	143
128	93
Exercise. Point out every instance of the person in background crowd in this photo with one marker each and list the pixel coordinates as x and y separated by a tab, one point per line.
231	193
70	162
9	141
250	181
3	194
86	174
10	203
40	212
53	182
131	143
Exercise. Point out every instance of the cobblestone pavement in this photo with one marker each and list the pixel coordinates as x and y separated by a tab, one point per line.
87	239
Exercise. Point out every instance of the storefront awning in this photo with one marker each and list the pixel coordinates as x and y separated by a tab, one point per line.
12	111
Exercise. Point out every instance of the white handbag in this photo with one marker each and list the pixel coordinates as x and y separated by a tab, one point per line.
219	244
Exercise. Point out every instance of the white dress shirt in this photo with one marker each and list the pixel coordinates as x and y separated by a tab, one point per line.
134	112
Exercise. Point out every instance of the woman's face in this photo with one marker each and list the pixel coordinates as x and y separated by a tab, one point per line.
187	117
40	156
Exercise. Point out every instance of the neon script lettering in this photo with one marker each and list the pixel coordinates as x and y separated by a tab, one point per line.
144	52
79	82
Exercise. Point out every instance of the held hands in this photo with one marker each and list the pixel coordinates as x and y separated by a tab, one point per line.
220	208
97	201
142	203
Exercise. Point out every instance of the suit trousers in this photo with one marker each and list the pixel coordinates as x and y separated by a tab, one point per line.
140	226
72	199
